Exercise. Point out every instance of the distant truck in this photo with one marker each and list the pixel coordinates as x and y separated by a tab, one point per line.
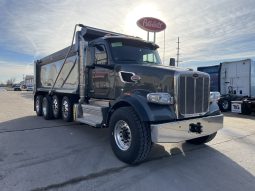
106	79
213	71
16	87
237	86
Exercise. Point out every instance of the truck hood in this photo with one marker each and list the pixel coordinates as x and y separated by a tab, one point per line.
152	78
148	77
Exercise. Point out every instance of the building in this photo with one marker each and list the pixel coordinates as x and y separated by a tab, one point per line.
29	80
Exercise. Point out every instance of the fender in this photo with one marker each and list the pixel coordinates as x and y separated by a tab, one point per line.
147	112
213	110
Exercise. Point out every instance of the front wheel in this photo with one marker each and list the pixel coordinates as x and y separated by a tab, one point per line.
202	140
130	137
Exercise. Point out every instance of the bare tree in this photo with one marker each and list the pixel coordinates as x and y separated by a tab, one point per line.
10	81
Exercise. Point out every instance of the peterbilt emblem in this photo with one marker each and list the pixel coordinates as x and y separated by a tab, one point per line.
135	78
195	75
151	24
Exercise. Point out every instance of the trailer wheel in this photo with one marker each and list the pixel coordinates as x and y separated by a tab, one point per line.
56	107
224	105
67	109
47	108
130	137
246	110
38	105
202	140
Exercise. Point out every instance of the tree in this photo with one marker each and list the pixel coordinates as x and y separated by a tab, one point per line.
10	81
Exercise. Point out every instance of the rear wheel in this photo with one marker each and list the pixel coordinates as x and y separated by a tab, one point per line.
38	105
130	137
202	140
56	107
47	107
67	109
224	105
246	109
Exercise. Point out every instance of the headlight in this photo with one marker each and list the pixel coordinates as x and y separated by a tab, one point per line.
160	98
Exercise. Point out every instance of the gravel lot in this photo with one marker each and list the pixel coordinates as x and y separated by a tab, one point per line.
36	154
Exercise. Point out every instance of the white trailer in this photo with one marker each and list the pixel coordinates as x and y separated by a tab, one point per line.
237	83
238	77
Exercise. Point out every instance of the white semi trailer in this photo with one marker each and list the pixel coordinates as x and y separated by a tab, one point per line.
237	86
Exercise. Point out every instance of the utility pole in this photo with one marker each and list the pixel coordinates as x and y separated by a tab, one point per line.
178	52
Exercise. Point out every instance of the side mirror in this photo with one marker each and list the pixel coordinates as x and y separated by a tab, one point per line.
172	62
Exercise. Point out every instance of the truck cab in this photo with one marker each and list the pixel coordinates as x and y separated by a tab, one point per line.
112	57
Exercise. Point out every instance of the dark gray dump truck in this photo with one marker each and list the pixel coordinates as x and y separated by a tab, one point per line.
106	79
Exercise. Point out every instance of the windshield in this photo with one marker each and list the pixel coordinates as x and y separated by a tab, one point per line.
133	51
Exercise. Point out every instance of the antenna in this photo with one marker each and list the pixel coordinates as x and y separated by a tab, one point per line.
178	52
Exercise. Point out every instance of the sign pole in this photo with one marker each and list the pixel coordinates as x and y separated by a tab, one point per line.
164	47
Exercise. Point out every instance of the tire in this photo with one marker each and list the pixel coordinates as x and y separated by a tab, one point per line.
246	110
56	107
47	108
130	137
38	105
224	105
67	109
202	140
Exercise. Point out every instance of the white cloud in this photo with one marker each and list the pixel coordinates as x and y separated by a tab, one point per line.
207	29
15	70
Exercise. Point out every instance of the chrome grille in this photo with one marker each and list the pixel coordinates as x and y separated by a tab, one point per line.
193	95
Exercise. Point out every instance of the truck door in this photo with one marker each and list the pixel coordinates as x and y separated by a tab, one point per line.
102	75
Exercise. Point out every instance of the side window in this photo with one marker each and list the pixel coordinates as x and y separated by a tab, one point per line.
100	55
149	58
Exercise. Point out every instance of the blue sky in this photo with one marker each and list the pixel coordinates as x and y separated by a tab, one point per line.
210	31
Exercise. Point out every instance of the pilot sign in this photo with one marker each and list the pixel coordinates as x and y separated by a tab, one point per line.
236	106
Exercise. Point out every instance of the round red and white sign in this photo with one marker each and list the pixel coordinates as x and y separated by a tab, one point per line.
151	24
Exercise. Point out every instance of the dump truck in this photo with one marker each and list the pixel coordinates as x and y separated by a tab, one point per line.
110	80
237	86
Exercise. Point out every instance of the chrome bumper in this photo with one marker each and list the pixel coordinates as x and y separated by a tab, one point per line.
180	130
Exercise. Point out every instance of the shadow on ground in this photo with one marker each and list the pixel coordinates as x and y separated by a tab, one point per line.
54	155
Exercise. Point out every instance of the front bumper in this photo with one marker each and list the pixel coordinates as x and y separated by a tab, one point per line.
179	131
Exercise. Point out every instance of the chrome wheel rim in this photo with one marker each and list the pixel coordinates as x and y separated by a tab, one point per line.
65	108
225	104
44	108
122	135
55	105
37	105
